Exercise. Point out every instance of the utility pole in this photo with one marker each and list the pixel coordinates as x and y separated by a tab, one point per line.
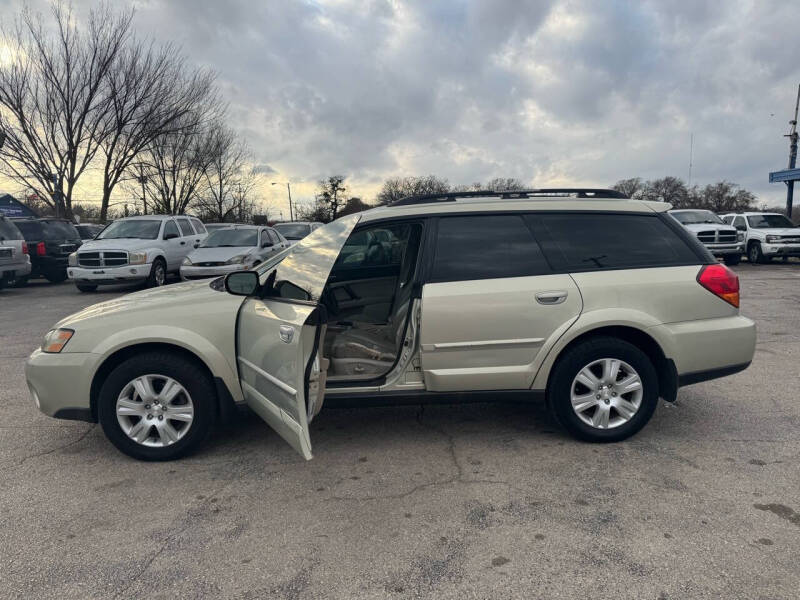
143	180
57	195
240	201
691	150
288	191
792	135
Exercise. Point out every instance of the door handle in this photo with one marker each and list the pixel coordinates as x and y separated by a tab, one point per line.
551	297
286	333
183	243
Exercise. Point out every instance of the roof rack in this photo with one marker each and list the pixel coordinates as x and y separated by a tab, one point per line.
508	194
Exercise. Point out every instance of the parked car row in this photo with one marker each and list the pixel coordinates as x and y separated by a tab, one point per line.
759	236
141	249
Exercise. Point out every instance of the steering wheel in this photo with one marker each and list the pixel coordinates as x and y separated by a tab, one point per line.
376	253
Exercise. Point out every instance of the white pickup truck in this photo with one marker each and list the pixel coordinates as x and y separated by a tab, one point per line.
766	235
135	250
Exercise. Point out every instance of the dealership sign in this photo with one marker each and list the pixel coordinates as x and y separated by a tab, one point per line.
10	207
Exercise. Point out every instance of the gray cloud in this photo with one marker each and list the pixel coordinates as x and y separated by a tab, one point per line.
573	91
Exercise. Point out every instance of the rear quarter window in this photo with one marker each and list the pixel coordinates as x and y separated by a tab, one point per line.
598	241
8	231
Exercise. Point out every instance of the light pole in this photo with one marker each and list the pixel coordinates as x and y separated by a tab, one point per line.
288	191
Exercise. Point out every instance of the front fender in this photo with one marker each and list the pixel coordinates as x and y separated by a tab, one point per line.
220	365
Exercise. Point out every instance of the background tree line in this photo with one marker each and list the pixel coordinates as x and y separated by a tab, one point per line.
79	98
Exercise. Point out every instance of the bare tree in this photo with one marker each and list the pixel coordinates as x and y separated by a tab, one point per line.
721	197
174	167
632	188
331	194
228	184
668	189
151	93
52	100
397	188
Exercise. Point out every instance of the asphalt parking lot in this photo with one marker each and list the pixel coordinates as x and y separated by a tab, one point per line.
468	501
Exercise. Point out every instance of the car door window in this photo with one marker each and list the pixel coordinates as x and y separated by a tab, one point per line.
170	229
198	226
485	247
186	228
264	238
273	237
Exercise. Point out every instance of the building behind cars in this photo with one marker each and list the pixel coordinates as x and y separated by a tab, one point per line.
231	249
15	264
142	249
766	235
50	241
722	240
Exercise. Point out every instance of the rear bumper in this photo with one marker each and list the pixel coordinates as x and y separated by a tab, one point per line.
705	346
109	275
14	270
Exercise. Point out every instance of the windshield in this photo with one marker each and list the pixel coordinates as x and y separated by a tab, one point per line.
141	229
8	231
305	265
293	231
769	221
696	217
222	238
60	230
87	231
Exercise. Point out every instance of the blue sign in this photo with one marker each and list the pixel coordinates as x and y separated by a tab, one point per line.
785	175
10	207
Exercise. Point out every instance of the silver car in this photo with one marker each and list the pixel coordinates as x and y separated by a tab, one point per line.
14	259
294	231
232	249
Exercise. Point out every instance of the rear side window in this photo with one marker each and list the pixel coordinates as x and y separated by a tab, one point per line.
8	231
60	230
588	242
486	247
32	230
198	226
186	228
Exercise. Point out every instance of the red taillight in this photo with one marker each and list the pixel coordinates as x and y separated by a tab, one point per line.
720	281
24	248
40	249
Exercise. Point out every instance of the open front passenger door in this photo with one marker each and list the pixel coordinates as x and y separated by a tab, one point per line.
280	333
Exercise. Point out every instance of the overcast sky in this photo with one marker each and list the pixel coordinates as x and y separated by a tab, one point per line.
583	92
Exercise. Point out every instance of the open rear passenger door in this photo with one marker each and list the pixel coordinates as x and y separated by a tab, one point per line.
280	332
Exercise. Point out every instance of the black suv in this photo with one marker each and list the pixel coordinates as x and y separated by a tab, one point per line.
50	242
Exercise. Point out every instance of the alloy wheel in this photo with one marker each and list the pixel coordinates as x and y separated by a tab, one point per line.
154	410
159	275
606	393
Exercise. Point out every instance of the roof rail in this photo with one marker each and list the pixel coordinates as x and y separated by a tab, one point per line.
508	194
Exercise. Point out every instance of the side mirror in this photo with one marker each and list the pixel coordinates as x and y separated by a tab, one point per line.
242	283
170	236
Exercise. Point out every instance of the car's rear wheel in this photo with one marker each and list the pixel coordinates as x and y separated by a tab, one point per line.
157	406
603	390
732	259
86	287
158	273
20	281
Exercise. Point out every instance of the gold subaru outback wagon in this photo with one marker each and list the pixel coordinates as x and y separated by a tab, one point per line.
596	303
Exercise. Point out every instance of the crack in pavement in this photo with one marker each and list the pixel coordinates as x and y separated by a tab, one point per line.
79	439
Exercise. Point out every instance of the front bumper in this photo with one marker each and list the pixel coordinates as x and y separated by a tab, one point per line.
725	249
194	272
60	383
780	249
109	275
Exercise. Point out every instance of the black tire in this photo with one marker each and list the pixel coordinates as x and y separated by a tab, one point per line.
55	276
755	255
186	372
86	287
573	361
732	259
20	282
156	279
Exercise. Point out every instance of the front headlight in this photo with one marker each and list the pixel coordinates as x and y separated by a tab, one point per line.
236	260
72	260
137	258
186	261
739	236
55	340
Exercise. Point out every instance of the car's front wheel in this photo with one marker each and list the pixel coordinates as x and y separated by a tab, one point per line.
158	273
755	255
157	406
603	390
732	259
